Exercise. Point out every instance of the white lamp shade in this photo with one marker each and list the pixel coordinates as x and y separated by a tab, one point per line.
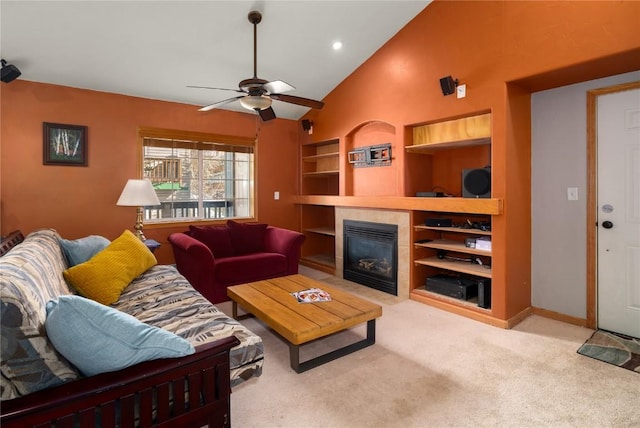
138	193
255	102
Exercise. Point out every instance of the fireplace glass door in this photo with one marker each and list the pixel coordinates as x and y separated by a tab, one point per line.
371	254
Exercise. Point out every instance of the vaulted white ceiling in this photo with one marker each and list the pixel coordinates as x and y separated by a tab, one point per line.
154	49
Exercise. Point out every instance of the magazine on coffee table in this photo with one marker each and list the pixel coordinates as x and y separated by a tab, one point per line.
311	295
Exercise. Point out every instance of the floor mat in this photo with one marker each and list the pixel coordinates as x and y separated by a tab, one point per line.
613	348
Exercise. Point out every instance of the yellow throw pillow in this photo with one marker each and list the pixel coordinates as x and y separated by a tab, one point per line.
104	276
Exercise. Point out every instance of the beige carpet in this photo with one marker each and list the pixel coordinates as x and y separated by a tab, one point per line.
430	368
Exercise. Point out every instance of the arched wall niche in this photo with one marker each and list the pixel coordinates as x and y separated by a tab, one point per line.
375	180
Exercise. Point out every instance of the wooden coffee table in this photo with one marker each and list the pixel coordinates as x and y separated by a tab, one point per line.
298	323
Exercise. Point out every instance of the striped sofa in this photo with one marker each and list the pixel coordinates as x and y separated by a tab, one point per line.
31	275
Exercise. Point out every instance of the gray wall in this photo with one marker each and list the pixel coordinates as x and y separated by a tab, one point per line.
558	226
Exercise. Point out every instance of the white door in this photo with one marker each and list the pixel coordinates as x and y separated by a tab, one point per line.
618	139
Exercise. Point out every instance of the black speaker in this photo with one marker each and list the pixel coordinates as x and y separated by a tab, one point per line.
306	124
476	183
9	72
448	85
484	294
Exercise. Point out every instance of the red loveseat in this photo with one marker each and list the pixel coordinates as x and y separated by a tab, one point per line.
213	258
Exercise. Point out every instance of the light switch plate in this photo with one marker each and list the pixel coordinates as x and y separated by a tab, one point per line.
461	91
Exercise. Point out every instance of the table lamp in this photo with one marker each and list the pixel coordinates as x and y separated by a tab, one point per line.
138	193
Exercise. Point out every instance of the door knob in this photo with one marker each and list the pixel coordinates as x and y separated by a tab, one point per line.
607	224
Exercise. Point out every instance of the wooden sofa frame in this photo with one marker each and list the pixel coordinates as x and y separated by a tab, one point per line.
191	391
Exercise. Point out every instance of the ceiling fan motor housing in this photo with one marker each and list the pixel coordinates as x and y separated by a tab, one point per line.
254	85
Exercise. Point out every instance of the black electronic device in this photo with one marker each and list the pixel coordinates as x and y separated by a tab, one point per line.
448	85
476	183
307	124
484	293
452	286
9	72
438	222
430	194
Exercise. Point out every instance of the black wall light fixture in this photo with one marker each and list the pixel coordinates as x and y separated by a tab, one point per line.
307	124
448	85
9	72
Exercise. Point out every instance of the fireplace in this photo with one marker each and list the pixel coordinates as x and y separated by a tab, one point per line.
370	254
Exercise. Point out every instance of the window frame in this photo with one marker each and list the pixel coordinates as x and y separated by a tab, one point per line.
202	138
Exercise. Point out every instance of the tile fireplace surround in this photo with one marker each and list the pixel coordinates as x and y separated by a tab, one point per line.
399	218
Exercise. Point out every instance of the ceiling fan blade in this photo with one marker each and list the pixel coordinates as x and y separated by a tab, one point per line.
220	89
220	103
306	102
267	114
278	87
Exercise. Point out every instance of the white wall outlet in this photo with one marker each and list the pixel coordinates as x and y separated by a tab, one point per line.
572	193
461	91
276	195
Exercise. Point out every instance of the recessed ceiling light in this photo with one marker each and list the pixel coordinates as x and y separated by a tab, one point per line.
337	45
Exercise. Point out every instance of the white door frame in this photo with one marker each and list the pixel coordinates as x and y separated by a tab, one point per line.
592	193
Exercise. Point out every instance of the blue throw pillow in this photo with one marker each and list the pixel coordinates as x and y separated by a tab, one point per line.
97	338
80	250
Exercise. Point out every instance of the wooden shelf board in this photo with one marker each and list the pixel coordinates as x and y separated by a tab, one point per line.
314	158
472	303
456	266
451	205
322	143
321	230
454	229
458	307
448	245
432	147
323	262
453	133
320	173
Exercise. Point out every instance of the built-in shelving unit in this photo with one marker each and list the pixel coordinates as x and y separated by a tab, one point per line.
433	250
320	168
443	250
455	133
321	158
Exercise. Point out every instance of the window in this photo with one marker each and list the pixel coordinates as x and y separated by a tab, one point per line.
198	176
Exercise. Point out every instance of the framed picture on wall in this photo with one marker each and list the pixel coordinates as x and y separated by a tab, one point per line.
64	144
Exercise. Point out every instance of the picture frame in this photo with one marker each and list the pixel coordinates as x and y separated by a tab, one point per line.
64	144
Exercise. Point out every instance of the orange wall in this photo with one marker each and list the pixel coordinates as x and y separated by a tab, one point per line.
78	201
502	51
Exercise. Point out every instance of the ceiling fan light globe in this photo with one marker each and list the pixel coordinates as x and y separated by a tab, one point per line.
255	102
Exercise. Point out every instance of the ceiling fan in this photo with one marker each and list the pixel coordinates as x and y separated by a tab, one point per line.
258	93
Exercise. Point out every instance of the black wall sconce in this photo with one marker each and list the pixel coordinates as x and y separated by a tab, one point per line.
448	85
307	125
9	72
